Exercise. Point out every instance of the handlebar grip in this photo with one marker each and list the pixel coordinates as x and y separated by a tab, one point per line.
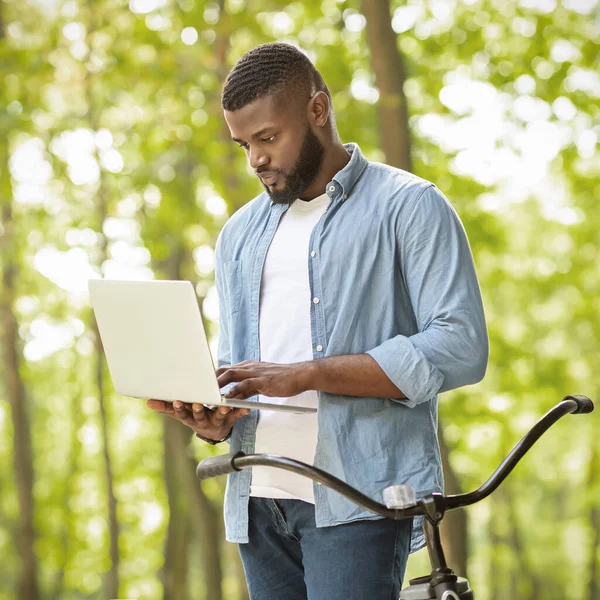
584	404
217	465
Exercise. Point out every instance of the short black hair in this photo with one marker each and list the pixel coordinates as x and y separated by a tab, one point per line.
271	69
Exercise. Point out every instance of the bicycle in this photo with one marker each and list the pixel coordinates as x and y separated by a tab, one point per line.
400	501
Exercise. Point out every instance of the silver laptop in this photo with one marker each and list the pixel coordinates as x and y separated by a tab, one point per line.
156	346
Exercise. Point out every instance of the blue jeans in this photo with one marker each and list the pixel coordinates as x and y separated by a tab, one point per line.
289	558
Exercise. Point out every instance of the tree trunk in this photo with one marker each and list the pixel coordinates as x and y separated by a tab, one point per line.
175	568
177	544
190	512
112	584
497	574
15	392
454	530
68	533
388	66
27	586
524	582
594	520
112	577
233	179
207	523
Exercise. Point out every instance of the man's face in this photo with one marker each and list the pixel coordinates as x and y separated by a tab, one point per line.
280	145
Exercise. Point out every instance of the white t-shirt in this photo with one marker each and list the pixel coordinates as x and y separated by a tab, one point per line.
285	337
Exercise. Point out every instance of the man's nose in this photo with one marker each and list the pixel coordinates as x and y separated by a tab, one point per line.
257	159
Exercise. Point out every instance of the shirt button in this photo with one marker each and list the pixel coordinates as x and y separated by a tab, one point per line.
319	347
316	300
345	196
313	253
332	188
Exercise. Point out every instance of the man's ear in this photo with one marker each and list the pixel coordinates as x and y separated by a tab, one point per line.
318	109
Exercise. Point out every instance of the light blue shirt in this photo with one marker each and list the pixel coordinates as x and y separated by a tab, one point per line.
391	275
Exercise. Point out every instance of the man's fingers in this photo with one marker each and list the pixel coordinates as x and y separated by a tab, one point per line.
244	363
219	414
233	375
227	376
236	414
198	411
246	388
212	423
225	415
160	406
183	413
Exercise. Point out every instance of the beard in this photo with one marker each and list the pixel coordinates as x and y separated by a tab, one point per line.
305	171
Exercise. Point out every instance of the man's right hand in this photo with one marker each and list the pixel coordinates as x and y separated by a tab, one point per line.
212	424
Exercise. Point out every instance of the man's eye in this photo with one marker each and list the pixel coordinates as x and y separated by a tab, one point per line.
269	139
244	146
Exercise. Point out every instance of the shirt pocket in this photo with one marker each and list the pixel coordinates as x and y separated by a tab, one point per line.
233	283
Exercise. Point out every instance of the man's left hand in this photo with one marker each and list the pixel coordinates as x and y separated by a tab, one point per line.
268	379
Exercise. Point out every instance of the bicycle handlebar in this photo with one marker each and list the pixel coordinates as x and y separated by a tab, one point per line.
217	465
228	463
575	404
584	404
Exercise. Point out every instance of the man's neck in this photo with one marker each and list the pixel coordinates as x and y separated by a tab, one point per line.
334	161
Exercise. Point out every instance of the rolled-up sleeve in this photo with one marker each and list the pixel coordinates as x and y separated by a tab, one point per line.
450	349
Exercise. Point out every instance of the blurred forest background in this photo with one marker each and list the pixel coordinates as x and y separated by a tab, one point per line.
115	161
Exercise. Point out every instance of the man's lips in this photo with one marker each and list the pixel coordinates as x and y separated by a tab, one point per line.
268	177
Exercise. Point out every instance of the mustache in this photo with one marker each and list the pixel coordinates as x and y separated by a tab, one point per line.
267	170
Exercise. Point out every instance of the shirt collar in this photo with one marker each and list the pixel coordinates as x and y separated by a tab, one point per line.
351	173
343	181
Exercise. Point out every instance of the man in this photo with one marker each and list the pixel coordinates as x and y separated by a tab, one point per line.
350	286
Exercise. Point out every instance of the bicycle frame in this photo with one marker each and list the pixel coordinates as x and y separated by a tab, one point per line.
442	581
